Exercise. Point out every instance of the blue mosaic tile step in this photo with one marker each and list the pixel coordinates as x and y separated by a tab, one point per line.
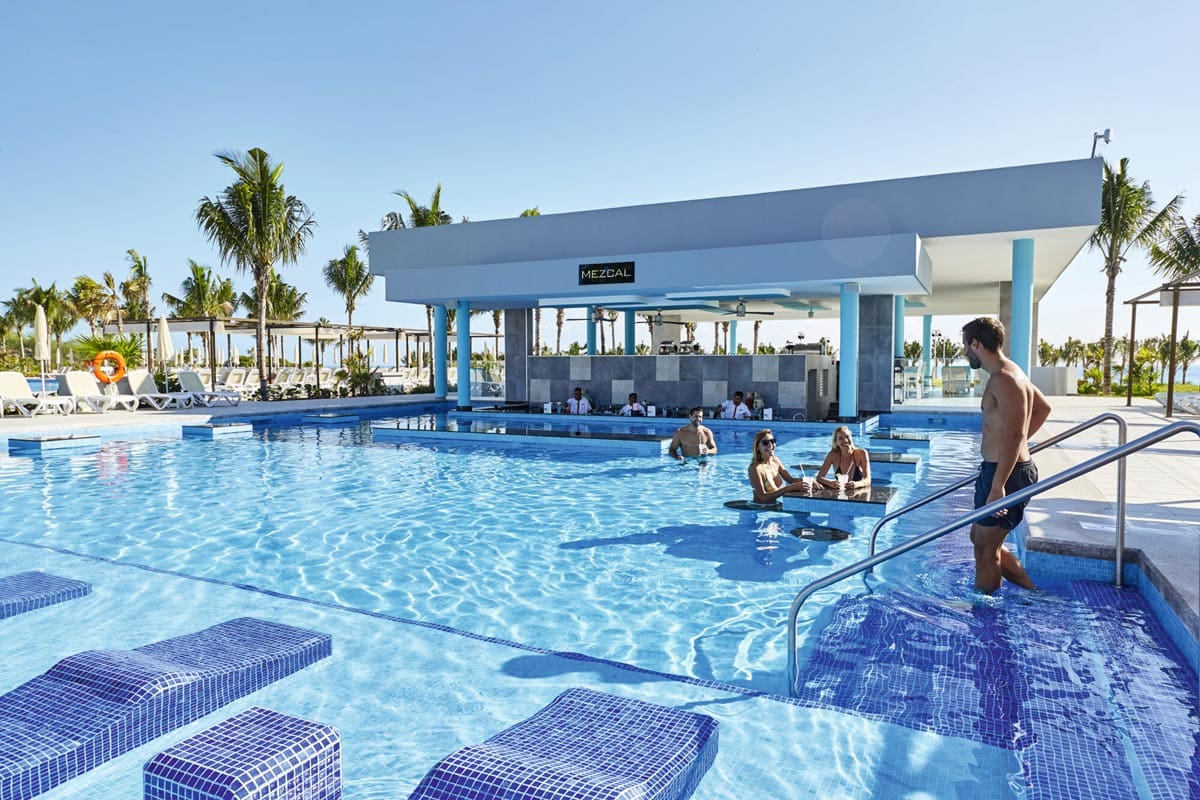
93	706
259	754
586	745
26	591
1027	675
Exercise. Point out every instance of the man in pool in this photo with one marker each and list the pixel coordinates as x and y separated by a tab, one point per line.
1013	410
693	439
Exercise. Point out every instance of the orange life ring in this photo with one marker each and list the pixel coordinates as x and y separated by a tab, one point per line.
98	366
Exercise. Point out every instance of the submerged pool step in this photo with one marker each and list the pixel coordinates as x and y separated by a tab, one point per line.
218	430
28	445
1010	672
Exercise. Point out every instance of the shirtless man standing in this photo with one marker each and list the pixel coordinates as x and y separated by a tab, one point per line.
693	439
1013	410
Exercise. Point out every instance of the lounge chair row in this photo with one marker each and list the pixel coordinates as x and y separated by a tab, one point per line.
79	391
1184	403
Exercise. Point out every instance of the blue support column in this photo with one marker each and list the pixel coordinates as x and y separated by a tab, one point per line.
1020	338
898	327
440	346
927	349
630	332
464	355
591	330
848	352
733	337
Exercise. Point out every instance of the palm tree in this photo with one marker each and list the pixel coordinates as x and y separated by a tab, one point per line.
757	324
20	312
559	319
349	277
420	217
1046	353
60	314
1178	254
1072	351
255	224
202	294
1186	352
90	302
137	288
1127	219
113	292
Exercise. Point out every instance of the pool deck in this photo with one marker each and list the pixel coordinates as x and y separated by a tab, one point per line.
1162	528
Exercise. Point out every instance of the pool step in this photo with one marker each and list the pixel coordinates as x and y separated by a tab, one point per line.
1052	677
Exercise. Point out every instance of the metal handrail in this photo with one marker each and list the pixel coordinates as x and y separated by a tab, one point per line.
1019	496
1053	440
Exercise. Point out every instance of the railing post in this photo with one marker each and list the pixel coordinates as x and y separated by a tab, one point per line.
1119	556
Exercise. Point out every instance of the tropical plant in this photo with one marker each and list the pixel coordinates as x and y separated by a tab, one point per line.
1186	352
1047	354
60	314
361	378
757	325
1178	253
419	217
1128	219
19	312
202	294
113	290
349	277
136	287
131	347
255	225
90	302
560	317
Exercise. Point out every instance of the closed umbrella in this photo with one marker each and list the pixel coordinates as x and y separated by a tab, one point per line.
41	342
235	358
166	350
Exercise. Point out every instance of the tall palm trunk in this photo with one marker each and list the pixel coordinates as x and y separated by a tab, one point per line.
537	332
559	318
1111	270
757	323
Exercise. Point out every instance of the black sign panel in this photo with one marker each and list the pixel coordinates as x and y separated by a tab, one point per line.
618	272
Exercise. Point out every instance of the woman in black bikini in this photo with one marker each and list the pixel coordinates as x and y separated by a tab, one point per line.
846	459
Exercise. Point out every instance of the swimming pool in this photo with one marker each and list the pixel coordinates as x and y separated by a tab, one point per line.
632	561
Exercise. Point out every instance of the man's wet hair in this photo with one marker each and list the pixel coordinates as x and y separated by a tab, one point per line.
694	409
988	331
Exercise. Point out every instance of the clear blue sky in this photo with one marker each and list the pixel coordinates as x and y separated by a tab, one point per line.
112	113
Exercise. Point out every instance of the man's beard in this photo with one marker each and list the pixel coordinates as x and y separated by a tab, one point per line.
974	361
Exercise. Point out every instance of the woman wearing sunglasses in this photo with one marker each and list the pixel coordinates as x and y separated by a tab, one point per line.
768	477
845	459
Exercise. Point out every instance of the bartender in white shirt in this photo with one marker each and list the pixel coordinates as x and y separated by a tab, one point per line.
733	409
633	408
578	404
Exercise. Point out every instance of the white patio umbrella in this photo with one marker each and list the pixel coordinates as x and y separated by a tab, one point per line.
166	350
41	341
234	356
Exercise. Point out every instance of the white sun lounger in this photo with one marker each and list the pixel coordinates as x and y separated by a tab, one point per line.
87	393
191	382
140	384
15	395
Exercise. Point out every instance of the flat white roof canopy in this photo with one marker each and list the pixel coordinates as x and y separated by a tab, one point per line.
944	242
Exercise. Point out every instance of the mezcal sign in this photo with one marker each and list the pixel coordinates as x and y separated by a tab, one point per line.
619	272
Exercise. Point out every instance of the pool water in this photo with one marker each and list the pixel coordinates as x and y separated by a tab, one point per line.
636	561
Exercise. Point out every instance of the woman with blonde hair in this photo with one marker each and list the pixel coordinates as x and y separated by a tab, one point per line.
768	477
846	459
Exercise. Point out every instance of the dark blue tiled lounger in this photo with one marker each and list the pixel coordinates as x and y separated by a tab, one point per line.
26	591
95	705
259	754
584	745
